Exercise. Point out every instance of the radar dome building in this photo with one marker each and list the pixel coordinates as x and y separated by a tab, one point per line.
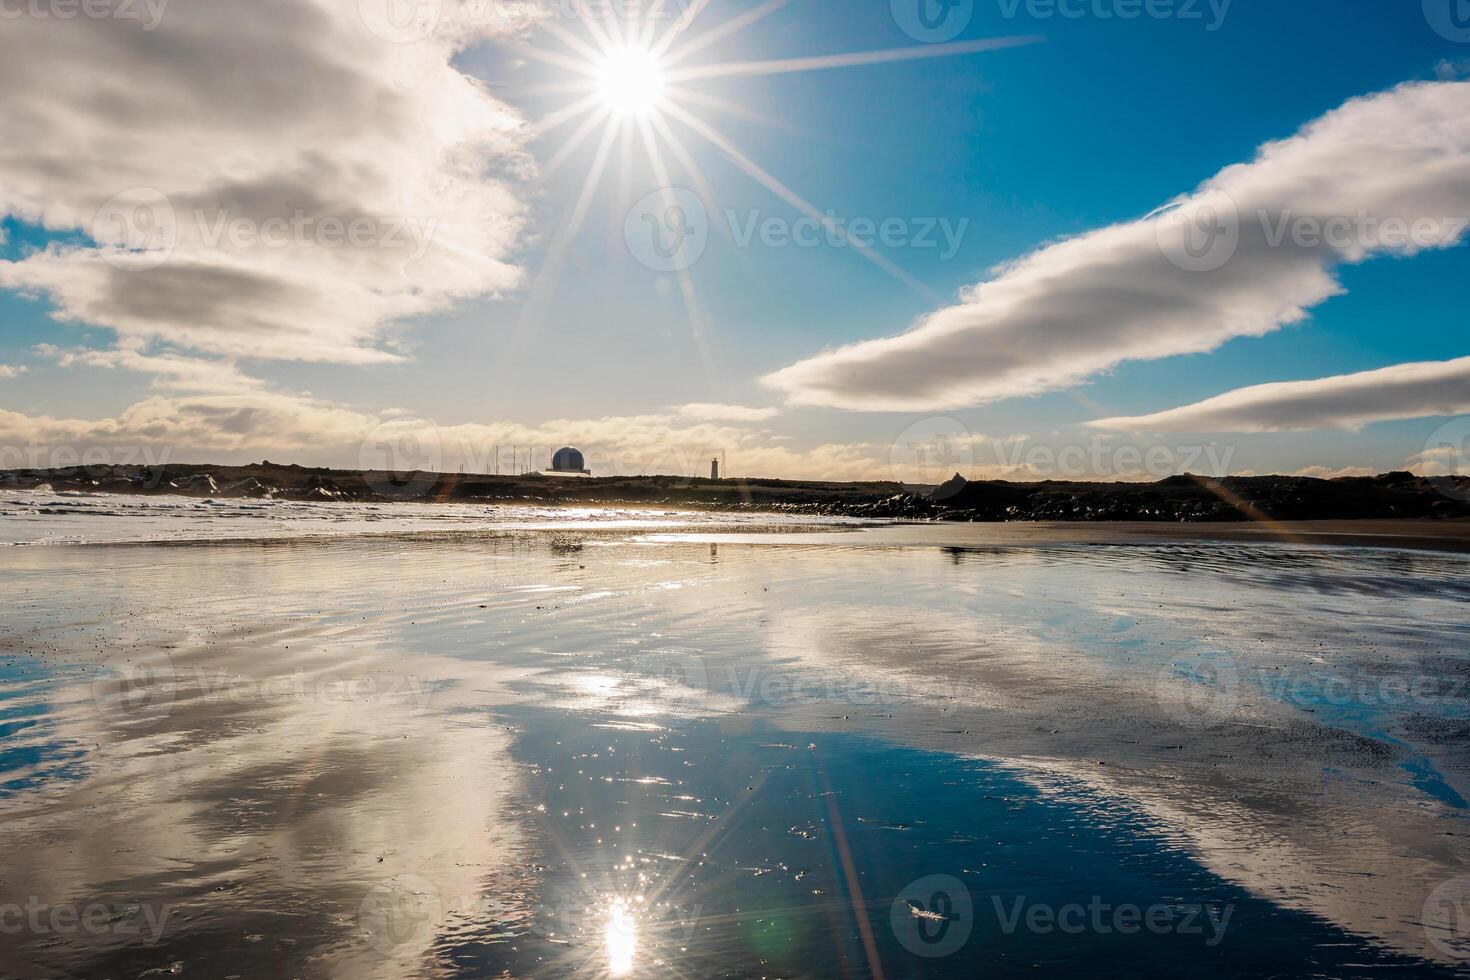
568	462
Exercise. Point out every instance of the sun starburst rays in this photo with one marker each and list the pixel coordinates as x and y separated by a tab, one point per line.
634	81
854	59
721	31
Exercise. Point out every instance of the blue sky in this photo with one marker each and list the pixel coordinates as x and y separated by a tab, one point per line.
1099	122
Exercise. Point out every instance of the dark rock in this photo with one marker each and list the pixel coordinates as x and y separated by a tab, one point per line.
949	488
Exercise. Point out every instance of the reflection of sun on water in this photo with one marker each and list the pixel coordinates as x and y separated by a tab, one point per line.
622	939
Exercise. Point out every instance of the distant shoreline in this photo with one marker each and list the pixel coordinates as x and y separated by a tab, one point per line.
1178	499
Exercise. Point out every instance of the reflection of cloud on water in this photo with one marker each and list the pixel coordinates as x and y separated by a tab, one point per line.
277	817
918	657
1063	681
1251	831
1049	662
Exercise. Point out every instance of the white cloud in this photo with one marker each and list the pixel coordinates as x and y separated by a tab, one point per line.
219	425
172	371
710	412
1128	292
1439	453
12	370
1347	401
189	425
1450	458
313	181
245	425
202	419
1333	473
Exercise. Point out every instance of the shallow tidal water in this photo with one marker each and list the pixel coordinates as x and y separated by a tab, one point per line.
604	749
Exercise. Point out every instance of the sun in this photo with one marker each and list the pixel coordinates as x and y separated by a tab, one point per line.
631	81
635	85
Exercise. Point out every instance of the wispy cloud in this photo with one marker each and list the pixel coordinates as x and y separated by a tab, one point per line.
289	213
1237	258
1347	401
710	412
12	370
172	371
1320	472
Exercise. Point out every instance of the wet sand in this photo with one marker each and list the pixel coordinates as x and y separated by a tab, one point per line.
1398	534
455	755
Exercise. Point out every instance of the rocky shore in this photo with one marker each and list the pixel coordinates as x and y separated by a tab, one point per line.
1177	499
